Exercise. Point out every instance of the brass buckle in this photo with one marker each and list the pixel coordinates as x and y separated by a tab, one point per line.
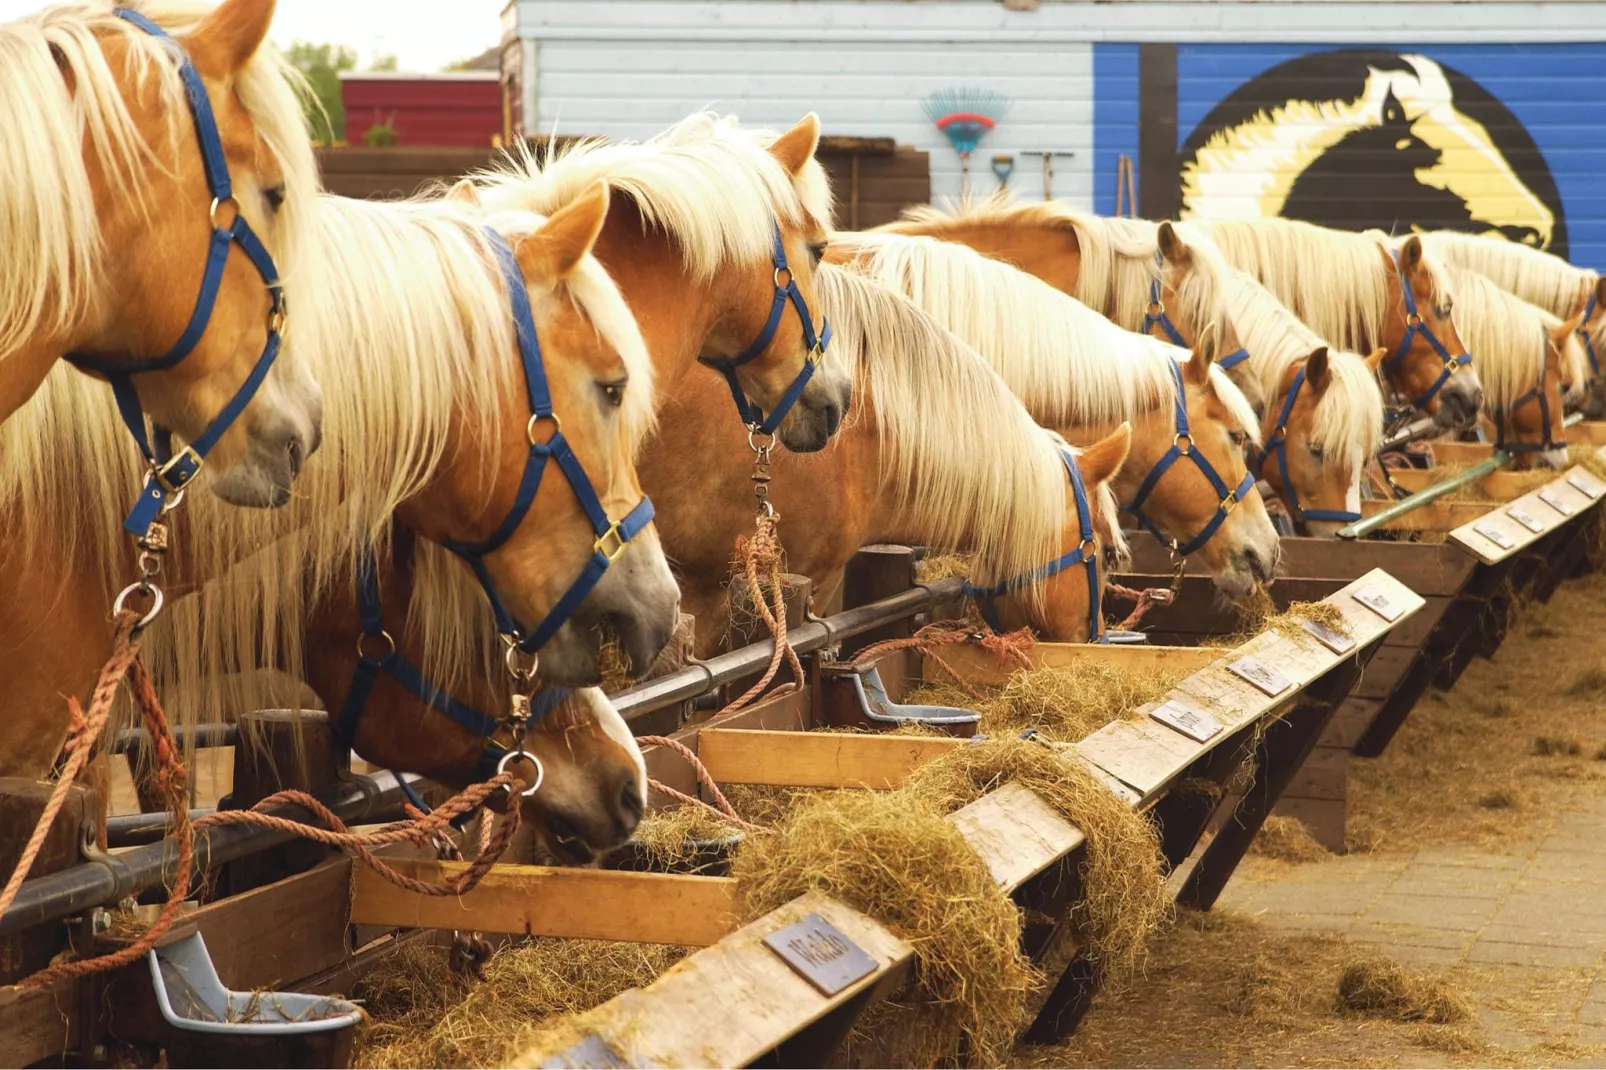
620	542
1228	504
277	318
817	354
160	472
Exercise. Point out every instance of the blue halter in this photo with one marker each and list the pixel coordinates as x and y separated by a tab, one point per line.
1414	326
1537	393
785	293
1277	446
1155	316
169	475
1583	333
1085	554
611	537
1229	499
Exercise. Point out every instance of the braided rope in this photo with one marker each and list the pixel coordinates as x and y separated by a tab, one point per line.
721	805
1010	647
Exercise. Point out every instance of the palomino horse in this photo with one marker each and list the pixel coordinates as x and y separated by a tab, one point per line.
429	419
112	255
937	452
1364	292
1137	274
1324	415
1542	279
1528	360
1186	480
713	239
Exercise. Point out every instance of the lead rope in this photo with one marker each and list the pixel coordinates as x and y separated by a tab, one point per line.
1010	647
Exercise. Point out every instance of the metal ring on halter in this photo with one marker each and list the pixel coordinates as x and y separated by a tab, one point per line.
1178	443
1413	319
386	656
143	588
277	318
511	660
1156	309
540	770
1089	550
779	285
218	202
752	429
535	418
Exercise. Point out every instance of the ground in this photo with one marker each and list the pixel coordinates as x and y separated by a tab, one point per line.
1480	865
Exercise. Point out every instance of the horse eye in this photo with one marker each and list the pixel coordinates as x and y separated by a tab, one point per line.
274	195
817	251
614	392
1240	438
1316	452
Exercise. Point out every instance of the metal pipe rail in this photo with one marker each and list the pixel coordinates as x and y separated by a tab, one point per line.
109	878
201	735
703	676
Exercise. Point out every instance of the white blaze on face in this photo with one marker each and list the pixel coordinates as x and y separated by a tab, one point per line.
1352	497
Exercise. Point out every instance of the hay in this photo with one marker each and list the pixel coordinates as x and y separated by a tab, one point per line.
669	839
1287	839
1590	683
1123	890
942	567
423	1014
1259	614
1382	988
895	857
1556	747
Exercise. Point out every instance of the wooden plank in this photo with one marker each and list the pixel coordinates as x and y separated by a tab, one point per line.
39	1024
1461	454
1440	516
1499	522
1426	568
1016	833
1501	486
1147	755
980	666
591	904
1589	432
816	759
1322	776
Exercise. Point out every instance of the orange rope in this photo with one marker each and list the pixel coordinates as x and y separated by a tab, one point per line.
763	549
1145	600
1009	647
721	806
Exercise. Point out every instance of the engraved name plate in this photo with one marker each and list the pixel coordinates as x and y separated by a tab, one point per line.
1525	518
1379	603
1261	676
1191	723
821	954
1337	642
1494	535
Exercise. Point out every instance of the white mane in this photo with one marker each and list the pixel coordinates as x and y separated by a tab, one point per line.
1509	339
1538	277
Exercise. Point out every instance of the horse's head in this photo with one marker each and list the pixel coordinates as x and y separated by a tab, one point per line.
1318	432
771	334
1534	420
151	193
1591	392
1061	607
1193	490
594	788
601	388
1425	361
1192	296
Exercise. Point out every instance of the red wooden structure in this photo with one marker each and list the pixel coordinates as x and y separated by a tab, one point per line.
458	108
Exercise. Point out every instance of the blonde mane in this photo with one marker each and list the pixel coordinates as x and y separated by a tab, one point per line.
1336	281
1509	339
51	267
965	461
1119	258
707	183
1348	420
1068	364
1538	277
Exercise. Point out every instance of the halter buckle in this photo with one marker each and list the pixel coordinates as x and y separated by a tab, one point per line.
1228	504
160	472
390	647
817	352
277	318
218	202
618	539
536	418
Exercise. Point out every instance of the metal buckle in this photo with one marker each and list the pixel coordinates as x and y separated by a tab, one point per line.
817	353
620	542
536	418
277	318
159	472
1228	504
390	645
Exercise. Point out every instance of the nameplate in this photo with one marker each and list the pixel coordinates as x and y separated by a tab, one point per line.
1379	603
1494	535
1191	723
1552	497
1264	677
589	1051
1525	518
1587	485
821	954
1337	642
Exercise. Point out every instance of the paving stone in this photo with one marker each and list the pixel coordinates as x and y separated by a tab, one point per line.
1433	911
1551	936
1516	857
1566	867
1397	935
1338	923
1525	910
1593	1014
1493	951
1459	881
1581	844
1341	900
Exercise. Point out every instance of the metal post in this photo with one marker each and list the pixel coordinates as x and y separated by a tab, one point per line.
1424	496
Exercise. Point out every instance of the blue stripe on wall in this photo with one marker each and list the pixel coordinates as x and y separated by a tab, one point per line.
1115	118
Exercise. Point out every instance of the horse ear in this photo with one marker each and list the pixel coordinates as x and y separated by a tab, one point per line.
1374	360
1411	254
1172	248
1600	291
795	148
1205	350
1100	461
555	251
1318	370
229	35
1560	333
464	192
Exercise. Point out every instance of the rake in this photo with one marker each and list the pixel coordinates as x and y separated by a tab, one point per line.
965	114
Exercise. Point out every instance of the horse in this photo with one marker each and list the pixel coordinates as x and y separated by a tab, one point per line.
1140	275
1078	373
708	222
1324	415
1542	279
427	422
1529	360
113	258
1364	292
936	452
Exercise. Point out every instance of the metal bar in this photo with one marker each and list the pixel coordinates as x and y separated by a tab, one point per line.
1424	496
109	878
1415	431
704	676
132	830
202	735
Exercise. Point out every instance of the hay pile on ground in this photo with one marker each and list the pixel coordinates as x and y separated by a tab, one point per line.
1382	988
423	1014
1287	839
1065	704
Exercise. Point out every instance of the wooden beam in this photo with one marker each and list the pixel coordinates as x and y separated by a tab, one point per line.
1498	534
981	666
816	759
1017	834
1590	432
1499	486
590	904
1461	453
1441	516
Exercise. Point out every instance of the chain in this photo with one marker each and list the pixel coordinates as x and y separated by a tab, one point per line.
761	472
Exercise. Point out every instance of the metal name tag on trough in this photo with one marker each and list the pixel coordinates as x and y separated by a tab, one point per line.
821	954
1191	723
1495	535
1585	483
1263	677
1525	518
589	1051
1552	497
1337	642
1378	603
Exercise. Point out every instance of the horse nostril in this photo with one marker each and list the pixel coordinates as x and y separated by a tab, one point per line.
293	450
631	805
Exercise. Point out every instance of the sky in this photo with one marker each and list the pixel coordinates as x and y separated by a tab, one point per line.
424	35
